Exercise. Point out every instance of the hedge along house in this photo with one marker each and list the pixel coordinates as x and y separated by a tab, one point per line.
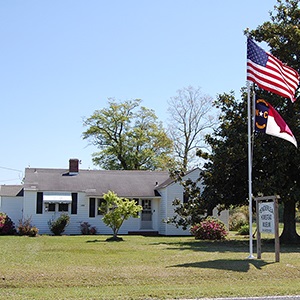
47	193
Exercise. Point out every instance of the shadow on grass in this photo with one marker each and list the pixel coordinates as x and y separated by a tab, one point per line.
236	265
111	239
95	241
207	246
226	246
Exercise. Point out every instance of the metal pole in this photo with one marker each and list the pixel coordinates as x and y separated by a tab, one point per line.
249	108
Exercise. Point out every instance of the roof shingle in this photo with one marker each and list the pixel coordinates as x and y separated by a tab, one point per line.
96	182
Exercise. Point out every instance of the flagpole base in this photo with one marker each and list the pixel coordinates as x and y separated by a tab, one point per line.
251	256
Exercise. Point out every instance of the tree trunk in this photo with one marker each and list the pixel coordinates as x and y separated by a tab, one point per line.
289	234
115	234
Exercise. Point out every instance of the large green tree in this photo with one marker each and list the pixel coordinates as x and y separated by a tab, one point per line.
129	137
282	34
276	162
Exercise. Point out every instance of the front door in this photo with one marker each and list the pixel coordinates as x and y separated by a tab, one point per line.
146	219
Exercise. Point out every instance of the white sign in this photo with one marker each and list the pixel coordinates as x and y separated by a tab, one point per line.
266	217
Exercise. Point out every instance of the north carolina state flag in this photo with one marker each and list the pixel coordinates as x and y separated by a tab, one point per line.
269	121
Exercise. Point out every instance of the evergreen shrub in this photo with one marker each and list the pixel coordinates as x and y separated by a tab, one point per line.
59	225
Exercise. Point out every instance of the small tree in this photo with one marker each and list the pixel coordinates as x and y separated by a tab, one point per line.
116	210
58	226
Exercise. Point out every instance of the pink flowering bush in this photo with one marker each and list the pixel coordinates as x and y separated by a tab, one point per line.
7	226
209	229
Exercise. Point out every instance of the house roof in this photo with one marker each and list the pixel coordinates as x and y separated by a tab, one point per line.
11	190
172	180
96	182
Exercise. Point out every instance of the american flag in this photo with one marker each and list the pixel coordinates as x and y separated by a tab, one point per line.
269	73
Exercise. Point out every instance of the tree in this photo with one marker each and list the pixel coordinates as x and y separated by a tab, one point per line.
116	210
225	172
190	119
191	211
282	34
129	137
275	165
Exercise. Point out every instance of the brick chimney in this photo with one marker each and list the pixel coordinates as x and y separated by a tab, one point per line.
73	166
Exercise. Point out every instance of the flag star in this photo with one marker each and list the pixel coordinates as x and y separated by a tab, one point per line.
261	113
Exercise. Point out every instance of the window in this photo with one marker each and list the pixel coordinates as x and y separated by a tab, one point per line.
96	207
74	203
51	206
39	203
92	207
63	207
101	206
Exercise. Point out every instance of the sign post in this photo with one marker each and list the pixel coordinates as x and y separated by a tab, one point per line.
267	221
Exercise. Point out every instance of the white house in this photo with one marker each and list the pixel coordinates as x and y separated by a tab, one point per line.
46	193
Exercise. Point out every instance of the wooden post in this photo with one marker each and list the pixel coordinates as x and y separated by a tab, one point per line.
258	239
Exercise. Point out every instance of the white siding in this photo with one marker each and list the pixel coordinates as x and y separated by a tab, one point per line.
13	207
156	214
41	220
174	190
162	214
38	220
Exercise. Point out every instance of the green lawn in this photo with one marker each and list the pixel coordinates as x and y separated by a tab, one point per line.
88	267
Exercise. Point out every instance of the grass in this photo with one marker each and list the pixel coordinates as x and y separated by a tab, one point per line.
89	267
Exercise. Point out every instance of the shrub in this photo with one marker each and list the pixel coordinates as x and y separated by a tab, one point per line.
86	228
244	230
237	220
25	228
209	229
7	226
58	226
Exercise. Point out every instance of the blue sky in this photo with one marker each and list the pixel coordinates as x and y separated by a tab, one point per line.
62	59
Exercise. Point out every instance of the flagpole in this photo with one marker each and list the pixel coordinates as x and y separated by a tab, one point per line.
249	109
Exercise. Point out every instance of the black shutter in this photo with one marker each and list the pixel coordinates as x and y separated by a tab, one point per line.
92	207
74	204
39	203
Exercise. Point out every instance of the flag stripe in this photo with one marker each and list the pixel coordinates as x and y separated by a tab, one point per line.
269	73
288	74
268	82
265	81
256	72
